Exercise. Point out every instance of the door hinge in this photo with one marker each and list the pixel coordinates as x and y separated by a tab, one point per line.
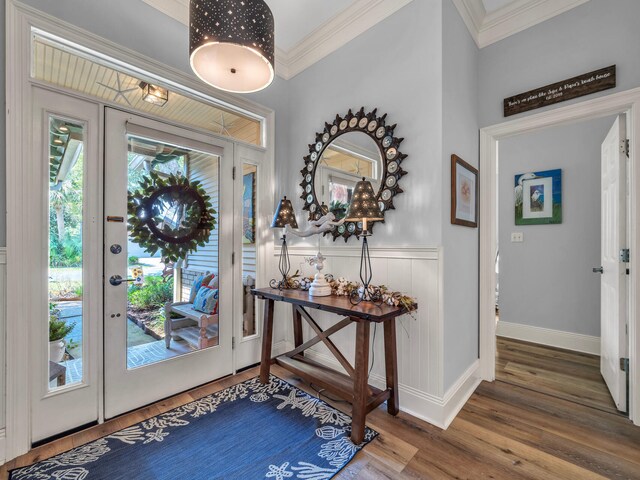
233	343
233	258
624	364
624	147
233	174
624	255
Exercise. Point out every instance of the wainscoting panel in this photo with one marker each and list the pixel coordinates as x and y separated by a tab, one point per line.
417	272
3	320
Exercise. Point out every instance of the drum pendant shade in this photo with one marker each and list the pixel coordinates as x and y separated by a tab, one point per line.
231	44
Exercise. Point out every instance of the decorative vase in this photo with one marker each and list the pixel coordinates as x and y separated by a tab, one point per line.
56	350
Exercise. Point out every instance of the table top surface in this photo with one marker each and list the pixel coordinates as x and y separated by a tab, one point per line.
334	304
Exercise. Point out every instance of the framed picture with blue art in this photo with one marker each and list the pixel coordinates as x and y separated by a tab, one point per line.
248	208
538	197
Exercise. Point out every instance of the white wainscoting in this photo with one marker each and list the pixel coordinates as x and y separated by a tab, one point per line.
416	271
3	319
546	336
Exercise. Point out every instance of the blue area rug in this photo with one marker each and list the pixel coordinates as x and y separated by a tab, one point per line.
248	431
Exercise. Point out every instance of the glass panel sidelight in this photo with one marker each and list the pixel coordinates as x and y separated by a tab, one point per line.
172	307
249	250
66	191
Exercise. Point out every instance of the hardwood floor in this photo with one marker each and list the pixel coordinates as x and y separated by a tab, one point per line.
504	432
561	373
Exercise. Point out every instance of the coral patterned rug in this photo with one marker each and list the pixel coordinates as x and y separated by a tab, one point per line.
248	431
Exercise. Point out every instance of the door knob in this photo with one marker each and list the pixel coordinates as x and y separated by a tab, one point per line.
598	270
116	280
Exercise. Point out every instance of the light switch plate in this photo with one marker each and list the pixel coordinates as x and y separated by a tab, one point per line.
517	237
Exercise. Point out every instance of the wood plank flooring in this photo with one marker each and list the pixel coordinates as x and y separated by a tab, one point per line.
561	373
504	432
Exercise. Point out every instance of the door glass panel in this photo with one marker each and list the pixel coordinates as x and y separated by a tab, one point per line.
66	190
249	250
172	307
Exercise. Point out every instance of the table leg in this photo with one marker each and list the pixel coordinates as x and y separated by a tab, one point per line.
297	328
267	339
359	411
391	365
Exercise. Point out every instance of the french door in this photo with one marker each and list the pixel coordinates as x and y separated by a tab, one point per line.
63	316
156	344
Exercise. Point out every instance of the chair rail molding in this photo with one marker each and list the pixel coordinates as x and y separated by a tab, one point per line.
626	102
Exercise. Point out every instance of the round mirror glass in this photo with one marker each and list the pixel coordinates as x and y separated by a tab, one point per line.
343	163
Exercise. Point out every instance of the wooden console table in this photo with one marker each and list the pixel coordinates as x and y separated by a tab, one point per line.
354	386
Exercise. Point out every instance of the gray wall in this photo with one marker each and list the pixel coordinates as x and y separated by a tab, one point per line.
594	35
460	244
3	149
394	66
547	280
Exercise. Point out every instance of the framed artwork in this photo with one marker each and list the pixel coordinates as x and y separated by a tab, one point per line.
248	208
464	193
538	197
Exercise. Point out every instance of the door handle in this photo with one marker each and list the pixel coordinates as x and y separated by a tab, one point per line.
116	280
598	270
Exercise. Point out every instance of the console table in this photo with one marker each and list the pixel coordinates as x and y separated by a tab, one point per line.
352	387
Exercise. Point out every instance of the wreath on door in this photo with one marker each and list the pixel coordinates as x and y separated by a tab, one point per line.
171	215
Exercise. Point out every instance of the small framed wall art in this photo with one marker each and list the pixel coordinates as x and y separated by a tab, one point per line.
538	197
464	193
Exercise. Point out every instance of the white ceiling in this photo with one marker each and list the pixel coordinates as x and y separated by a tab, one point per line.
295	19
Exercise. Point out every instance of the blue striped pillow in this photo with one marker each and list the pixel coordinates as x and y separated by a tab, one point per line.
206	301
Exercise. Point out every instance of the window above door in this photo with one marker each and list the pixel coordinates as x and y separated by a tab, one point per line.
59	64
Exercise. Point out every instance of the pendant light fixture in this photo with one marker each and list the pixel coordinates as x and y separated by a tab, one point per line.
231	44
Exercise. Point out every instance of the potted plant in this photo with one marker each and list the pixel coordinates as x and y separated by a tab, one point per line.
58	329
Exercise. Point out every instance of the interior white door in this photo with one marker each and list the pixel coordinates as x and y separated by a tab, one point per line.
613	316
66	287
140	368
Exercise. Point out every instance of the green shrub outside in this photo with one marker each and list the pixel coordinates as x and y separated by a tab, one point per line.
154	293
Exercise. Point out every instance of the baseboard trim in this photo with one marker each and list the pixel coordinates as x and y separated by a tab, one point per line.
552	338
430	408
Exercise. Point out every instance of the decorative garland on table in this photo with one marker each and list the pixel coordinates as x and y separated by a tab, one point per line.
345	288
145	215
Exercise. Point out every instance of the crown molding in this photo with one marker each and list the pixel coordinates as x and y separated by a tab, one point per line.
353	21
490	27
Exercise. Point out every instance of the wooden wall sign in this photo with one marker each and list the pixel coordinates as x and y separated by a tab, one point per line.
579	86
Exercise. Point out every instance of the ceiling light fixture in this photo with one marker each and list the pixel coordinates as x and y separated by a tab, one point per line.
154	94
231	44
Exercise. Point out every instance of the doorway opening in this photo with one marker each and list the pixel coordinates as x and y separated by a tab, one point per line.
624	351
561	194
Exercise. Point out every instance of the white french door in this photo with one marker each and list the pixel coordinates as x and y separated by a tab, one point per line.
63	316
141	363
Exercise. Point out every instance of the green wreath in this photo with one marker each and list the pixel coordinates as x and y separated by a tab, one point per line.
170	215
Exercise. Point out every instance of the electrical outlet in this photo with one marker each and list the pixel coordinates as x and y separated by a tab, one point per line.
517	237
